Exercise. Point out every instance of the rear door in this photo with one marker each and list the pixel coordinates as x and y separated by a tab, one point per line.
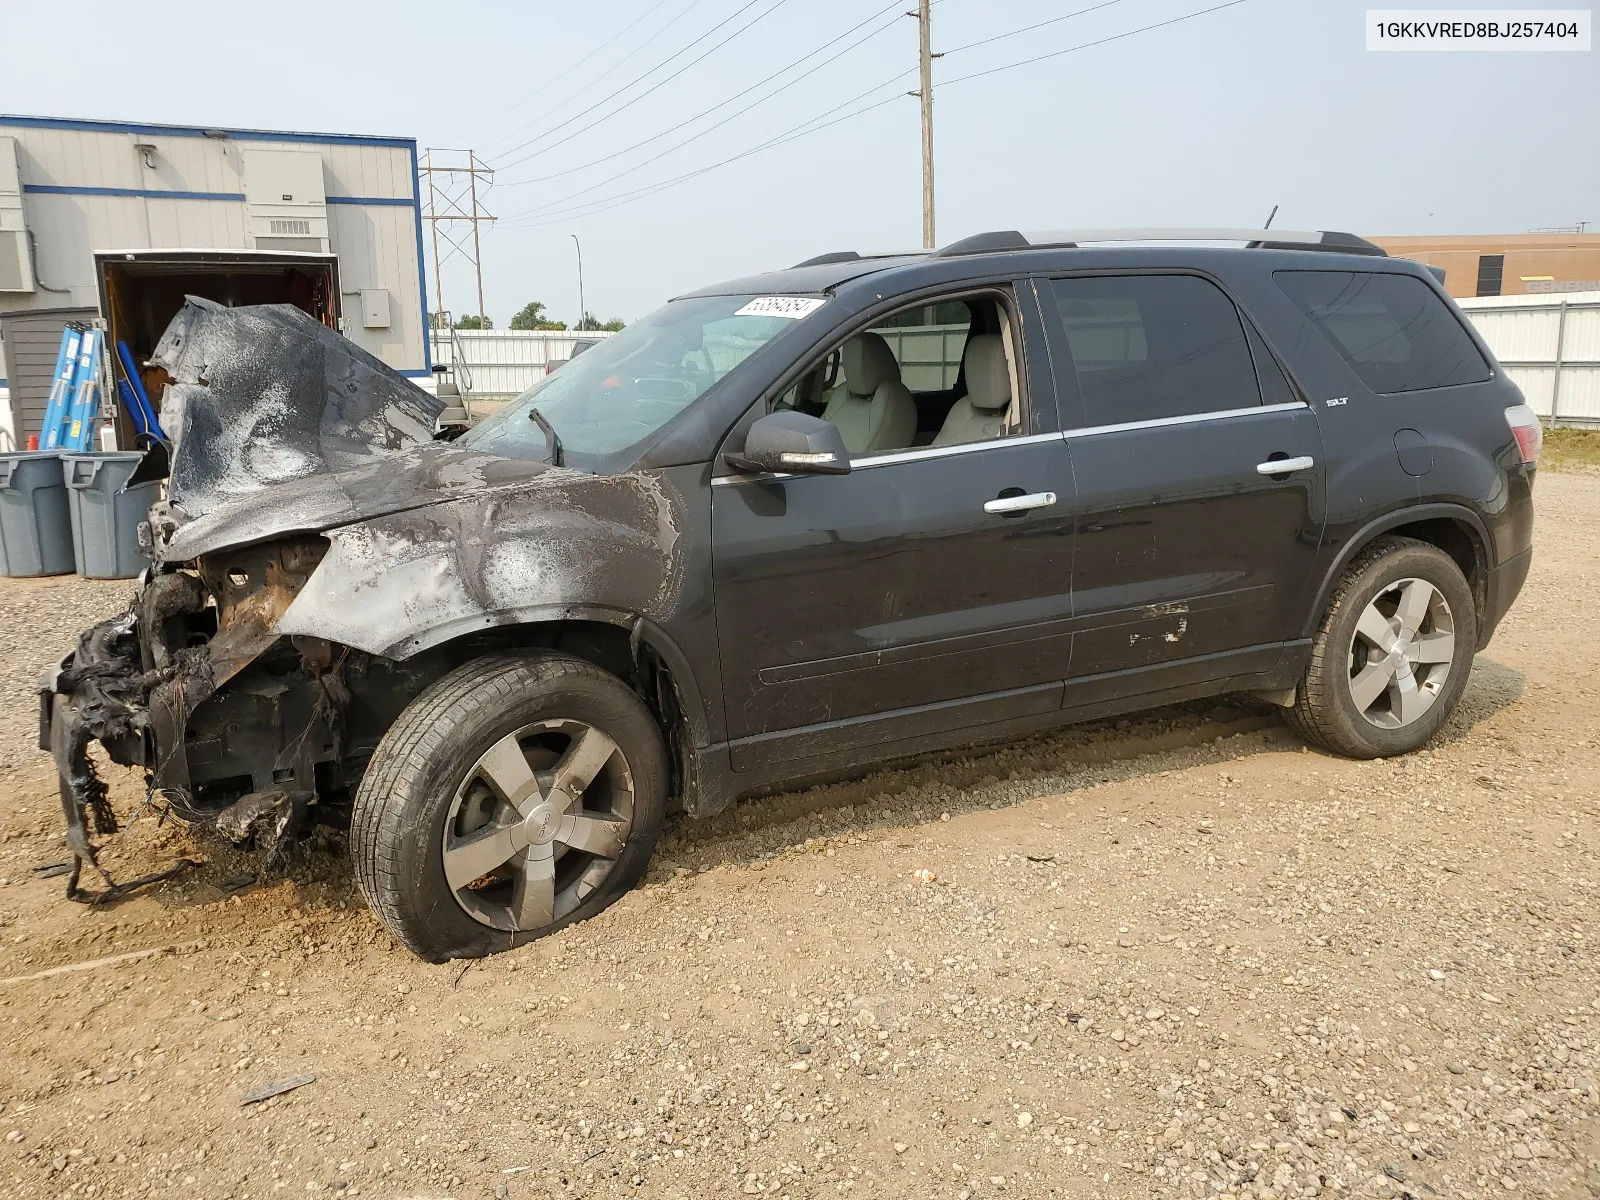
1194	556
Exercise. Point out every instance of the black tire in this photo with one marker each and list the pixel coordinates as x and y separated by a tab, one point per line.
398	823
1325	712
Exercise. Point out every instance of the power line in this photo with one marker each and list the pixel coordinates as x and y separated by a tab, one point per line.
723	104
555	79
551	210
538	218
1116	37
673	149
607	116
1000	37
552	207
595	207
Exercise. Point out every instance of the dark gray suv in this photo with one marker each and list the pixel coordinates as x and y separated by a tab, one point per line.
789	527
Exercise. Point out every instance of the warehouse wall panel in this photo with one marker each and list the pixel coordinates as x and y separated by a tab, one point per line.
87	188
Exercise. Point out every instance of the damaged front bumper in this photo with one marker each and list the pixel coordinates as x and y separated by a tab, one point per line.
145	684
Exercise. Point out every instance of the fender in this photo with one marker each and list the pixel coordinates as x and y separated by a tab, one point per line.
401	582
1359	540
640	629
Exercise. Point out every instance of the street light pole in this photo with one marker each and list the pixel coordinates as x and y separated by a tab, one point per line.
582	312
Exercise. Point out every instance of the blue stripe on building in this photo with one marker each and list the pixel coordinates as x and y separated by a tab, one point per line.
51	189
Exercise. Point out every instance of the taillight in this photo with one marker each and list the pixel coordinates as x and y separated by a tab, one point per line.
1526	429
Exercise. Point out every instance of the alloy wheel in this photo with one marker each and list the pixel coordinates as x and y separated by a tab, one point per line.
1401	652
537	824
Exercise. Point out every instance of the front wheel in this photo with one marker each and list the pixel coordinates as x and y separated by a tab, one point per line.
1392	655
514	796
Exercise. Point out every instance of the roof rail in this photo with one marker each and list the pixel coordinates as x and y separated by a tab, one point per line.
822	260
1276	239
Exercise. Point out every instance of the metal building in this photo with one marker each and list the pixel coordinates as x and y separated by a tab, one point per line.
1507	264
338	213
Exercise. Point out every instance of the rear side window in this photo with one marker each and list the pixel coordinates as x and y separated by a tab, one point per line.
1393	330
1152	346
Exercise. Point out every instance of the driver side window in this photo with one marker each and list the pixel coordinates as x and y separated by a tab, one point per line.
934	374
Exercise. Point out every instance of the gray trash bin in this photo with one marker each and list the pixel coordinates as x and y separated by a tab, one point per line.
106	513
35	525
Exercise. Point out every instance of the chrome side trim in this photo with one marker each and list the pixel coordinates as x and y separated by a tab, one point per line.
901	456
1188	419
765	477
921	452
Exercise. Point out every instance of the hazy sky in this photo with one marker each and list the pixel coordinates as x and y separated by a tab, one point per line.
1206	121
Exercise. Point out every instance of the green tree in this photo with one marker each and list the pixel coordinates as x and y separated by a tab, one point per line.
473	322
532	316
592	322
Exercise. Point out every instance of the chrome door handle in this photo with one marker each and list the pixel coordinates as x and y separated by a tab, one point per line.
1284	466
1014	504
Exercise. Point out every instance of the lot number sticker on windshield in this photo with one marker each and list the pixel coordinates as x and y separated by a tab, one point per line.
793	307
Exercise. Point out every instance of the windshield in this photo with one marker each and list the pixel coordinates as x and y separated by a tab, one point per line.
629	385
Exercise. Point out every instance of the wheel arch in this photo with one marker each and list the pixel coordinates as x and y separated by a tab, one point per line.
1453	528
627	645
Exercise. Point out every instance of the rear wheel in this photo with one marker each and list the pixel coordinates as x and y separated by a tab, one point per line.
1392	655
516	795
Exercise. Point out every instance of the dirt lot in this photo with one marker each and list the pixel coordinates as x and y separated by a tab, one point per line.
1178	957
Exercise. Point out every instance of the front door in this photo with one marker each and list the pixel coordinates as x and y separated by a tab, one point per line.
1199	485
927	590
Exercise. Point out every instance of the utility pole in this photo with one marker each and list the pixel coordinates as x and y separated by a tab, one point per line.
925	48
452	200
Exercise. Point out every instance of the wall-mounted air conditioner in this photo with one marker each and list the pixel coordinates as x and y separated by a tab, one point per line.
288	205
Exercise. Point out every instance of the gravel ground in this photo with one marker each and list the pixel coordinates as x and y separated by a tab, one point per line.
1180	956
41	619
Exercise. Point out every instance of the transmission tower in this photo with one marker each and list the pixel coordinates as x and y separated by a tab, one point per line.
454	200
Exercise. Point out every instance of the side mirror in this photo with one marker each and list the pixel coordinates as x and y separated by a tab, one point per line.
794	443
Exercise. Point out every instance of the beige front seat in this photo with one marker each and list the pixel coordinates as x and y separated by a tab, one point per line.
981	413
871	407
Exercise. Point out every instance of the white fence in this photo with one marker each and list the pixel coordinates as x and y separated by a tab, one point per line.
504	362
1549	346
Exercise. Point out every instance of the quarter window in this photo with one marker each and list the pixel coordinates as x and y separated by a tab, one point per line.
1393	330
1147	347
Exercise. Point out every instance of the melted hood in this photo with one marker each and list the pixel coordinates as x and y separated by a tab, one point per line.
414	478
263	395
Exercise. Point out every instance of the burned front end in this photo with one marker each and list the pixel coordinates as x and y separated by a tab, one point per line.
190	684
318	560
234	725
